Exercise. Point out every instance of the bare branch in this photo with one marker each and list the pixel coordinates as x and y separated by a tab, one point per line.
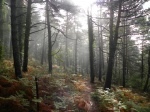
100	25
38	30
56	52
52	27
55	39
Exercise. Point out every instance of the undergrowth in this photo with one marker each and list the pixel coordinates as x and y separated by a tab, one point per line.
62	92
120	100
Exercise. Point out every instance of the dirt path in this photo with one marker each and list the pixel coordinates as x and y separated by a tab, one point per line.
66	94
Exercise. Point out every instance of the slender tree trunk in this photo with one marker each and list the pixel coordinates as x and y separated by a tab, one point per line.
66	49
1	28
142	64
49	39
112	43
116	65
124	64
27	35
76	49
91	52
101	58
148	75
15	44
127	40
124	56
76	44
119	72
20	27
43	47
43	51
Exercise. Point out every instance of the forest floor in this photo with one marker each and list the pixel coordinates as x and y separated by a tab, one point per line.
74	93
66	93
63	92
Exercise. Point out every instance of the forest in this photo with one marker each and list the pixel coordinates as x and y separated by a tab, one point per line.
74	55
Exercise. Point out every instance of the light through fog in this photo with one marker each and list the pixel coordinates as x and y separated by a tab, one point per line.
83	3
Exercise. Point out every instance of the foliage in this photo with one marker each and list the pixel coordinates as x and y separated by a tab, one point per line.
6	68
60	103
17	94
120	100
13	104
134	82
62	92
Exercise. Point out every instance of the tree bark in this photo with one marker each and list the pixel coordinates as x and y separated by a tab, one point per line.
15	44
66	49
1	28
27	34
91	53
124	55
148	75
43	50
76	49
76	44
49	39
101	57
112	43
142	64
20	27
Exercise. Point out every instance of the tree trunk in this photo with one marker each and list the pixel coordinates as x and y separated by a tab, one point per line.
66	49
20	27
124	64
76	49
124	56
43	51
49	39
76	44
43	47
91	53
111	51
142	64
116	65
1	28
148	75
112	44
101	58
27	34
15	44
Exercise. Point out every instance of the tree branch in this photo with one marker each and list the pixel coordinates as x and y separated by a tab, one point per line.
55	39
56	52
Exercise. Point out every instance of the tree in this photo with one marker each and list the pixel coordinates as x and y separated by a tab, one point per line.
124	48
43	47
15	44
20	28
6	31
100	40
27	34
76	48
148	74
113	38
49	38
143	27
66	48
1	28
91	52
